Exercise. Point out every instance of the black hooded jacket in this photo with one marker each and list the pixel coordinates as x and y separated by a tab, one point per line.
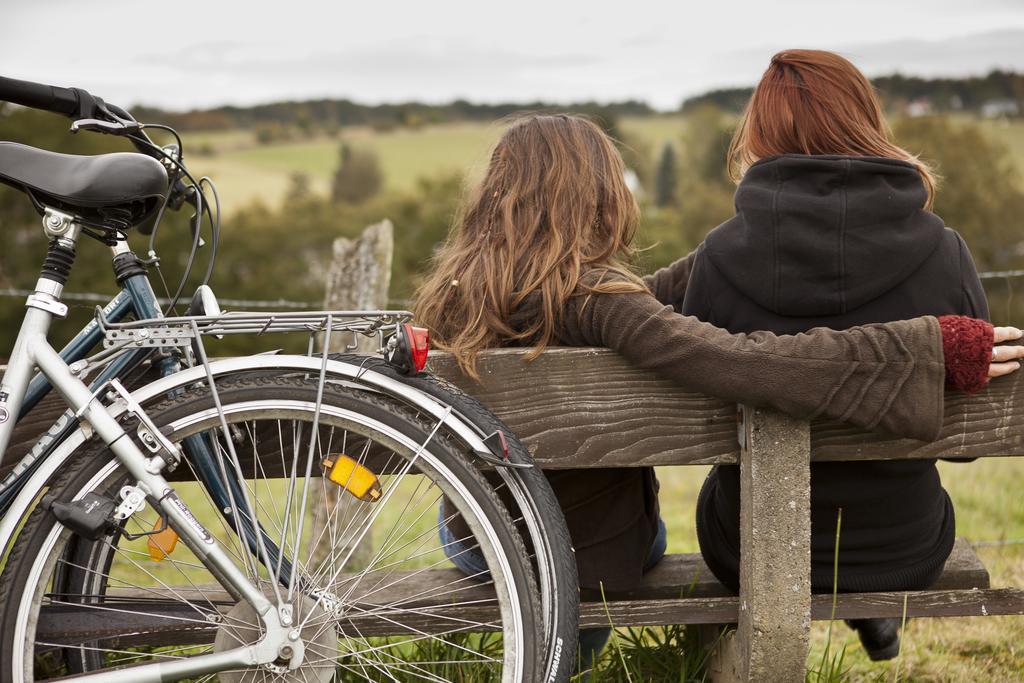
833	241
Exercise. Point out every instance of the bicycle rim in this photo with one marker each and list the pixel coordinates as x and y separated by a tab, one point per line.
111	579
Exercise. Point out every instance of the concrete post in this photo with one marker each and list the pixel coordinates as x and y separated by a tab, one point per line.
775	536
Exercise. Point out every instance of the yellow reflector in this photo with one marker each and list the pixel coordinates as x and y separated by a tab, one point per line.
162	543
353	477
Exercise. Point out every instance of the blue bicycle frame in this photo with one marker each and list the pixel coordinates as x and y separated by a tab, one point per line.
136	297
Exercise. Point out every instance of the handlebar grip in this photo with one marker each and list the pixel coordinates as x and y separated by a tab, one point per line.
39	96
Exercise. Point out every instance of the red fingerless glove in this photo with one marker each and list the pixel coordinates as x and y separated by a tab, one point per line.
967	346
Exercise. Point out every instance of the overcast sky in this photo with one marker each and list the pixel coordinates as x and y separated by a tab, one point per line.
186	54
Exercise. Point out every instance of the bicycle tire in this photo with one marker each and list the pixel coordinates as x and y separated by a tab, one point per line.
244	396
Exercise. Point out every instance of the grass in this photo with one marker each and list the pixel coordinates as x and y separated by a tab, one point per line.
989	508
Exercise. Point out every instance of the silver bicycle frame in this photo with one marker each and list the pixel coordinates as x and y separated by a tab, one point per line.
32	349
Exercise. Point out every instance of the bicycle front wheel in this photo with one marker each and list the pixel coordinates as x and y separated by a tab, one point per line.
77	606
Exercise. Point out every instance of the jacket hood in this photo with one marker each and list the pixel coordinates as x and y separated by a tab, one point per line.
823	235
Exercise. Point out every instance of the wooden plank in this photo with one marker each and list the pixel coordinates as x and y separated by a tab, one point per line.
591	408
687	576
438	596
944	603
70	625
963	569
584	407
775	546
676	576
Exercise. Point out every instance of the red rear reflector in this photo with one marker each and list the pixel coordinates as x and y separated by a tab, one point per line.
420	340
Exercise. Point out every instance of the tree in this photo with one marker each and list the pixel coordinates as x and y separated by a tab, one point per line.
665	180
979	190
358	176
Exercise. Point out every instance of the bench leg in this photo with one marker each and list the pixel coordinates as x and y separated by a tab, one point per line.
719	644
775	529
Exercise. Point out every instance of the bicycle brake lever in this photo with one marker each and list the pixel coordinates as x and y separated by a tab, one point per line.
99	126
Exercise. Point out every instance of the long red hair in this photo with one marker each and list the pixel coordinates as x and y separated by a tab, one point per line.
815	102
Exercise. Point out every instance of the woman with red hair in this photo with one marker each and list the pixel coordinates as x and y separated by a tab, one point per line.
833	228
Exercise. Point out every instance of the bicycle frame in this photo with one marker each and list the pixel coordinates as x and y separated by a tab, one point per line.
32	349
136	297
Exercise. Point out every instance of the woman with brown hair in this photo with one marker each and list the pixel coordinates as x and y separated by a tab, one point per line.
833	229
541	255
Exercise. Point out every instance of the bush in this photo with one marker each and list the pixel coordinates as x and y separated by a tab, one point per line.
358	176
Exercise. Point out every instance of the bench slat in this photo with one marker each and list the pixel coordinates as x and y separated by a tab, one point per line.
930	603
81	627
584	407
660	596
686	575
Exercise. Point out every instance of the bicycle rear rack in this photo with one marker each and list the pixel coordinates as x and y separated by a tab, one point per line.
182	331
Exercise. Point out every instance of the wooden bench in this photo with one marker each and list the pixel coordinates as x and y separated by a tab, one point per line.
577	408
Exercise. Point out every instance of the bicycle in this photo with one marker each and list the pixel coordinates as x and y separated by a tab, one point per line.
72	606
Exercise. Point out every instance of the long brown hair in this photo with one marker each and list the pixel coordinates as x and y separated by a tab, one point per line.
553	205
815	102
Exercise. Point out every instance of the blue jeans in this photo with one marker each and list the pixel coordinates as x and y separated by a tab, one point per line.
471	561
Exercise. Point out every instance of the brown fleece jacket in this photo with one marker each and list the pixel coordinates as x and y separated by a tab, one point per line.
889	376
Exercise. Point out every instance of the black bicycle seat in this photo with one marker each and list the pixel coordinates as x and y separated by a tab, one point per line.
124	185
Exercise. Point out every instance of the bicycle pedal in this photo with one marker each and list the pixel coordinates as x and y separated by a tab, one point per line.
353	477
91	516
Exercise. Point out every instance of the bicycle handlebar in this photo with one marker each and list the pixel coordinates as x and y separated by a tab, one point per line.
40	96
81	105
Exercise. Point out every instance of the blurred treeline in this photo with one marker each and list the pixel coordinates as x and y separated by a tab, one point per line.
282	252
329	115
968	94
1001	91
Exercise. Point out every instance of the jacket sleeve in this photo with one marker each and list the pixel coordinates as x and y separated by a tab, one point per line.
668	284
889	375
975	303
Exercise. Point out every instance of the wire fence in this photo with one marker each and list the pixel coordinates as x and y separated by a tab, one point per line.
98	298
997	544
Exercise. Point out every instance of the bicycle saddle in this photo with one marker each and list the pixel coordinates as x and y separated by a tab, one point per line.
122	186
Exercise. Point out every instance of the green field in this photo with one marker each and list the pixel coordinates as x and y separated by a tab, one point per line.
246	171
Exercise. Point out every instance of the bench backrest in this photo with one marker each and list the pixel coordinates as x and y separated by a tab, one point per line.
586	407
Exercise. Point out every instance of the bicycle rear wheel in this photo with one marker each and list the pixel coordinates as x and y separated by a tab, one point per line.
75	605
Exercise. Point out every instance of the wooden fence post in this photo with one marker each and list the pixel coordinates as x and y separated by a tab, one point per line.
360	275
358	279
775	541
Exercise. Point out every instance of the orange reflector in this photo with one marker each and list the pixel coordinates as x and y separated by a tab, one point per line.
162	543
353	477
